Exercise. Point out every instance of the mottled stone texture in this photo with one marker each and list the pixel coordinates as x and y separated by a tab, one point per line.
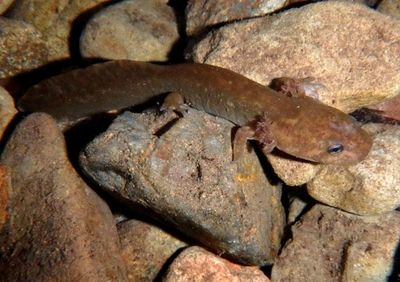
201	14
142	30
57	229
7	110
4	5
331	245
183	174
145	249
22	47
55	19
197	264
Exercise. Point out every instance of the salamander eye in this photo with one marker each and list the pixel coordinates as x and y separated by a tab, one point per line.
335	149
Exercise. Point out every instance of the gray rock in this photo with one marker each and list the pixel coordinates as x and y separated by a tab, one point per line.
331	245
186	178
58	229
143	30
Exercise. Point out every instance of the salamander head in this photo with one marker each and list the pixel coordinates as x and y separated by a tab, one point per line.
322	134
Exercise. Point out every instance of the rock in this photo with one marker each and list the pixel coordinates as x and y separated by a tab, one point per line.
145	249
201	14
293	172
7	110
5	191
185	177
55	19
390	7
58	228
139	30
341	45
197	264
4	5
370	187
332	245
22	47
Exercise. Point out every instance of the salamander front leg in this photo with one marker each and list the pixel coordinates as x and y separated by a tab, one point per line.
173	102
259	130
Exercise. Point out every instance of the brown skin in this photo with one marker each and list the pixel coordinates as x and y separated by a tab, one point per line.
300	126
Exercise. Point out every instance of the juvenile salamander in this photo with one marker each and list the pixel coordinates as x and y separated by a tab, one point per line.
299	126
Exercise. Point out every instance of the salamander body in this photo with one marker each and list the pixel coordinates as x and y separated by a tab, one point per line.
299	126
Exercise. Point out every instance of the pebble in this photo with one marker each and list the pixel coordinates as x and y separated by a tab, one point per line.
4	5
197	264
341	45
146	249
7	110
56	20
22	47
142	30
186	177
57	226
201	14
331	245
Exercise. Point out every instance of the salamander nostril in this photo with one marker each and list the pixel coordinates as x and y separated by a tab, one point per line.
335	149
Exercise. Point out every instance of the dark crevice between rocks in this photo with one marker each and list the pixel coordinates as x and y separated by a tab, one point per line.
177	51
395	275
168	262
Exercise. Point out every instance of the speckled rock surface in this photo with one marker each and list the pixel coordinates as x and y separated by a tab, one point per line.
186	178
370	187
293	172
331	245
55	221
55	20
203	13
197	264
341	45
142	30
5	191
7	110
145	249
390	7
22	47
4	5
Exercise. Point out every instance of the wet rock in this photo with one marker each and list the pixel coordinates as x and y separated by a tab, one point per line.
137	30
5	191
58	228
22	47
341	45
332	245
185	177
370	187
145	249
4	5
7	110
197	264
55	19
293	172
390	7
201	14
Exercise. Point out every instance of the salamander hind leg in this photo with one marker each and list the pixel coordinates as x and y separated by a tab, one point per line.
173	102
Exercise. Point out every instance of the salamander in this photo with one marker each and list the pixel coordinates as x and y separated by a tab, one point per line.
297	125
